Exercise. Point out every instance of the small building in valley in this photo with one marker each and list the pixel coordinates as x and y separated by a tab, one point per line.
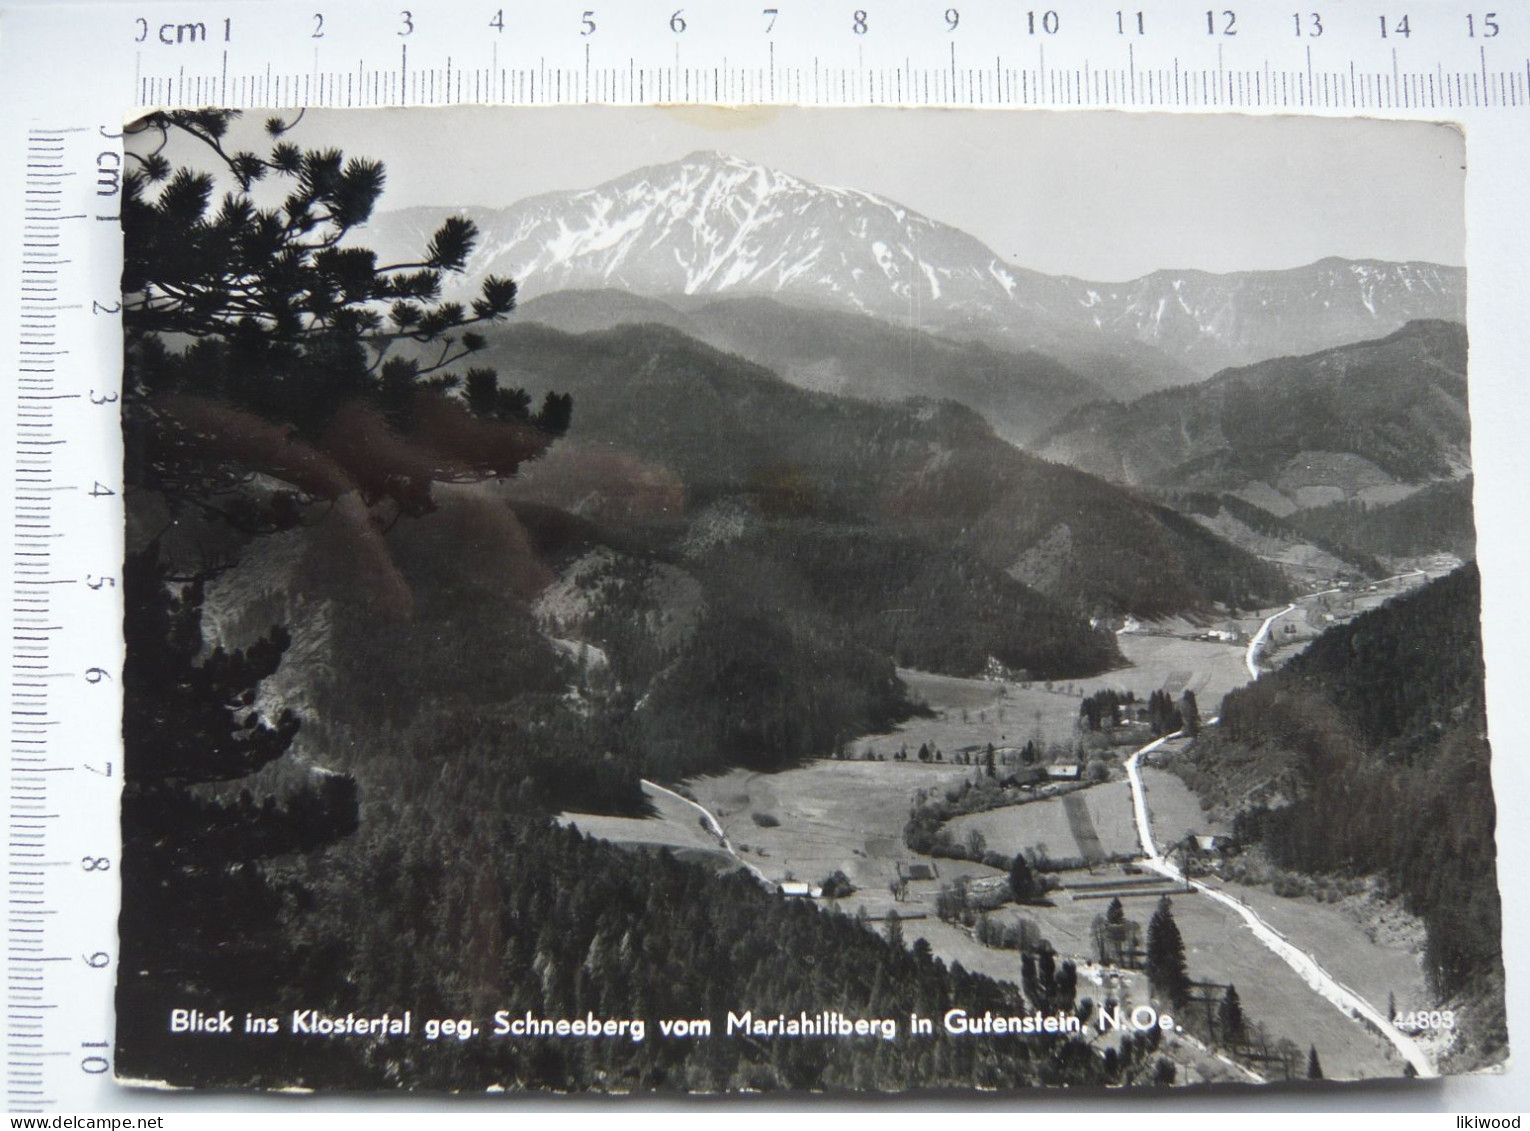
1212	844
799	889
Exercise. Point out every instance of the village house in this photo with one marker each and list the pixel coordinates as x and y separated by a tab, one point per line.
799	889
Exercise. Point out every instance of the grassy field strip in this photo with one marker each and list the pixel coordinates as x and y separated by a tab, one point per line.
1303	963
1094	824
717	829
1175	808
1372	967
1083	829
1139	795
672	826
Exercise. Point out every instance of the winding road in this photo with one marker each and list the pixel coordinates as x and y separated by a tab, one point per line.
1319	980
715	826
1251	657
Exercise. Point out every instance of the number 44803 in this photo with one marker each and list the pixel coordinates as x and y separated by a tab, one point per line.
1415	1020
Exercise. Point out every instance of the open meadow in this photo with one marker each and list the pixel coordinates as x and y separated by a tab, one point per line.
1045	827
1174	809
1219	948
674	825
830	815
1375	963
1020	712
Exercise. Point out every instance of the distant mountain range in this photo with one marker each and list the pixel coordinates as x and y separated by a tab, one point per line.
1342	382
1369	422
1021	393
711	226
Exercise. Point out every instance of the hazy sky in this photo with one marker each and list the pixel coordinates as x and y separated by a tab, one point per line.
1099	195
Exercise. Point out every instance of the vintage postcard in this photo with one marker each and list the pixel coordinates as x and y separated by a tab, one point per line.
722	601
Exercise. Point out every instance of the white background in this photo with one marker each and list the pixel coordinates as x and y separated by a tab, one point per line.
81	66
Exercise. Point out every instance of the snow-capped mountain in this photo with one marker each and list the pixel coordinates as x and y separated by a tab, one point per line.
711	225
1213	321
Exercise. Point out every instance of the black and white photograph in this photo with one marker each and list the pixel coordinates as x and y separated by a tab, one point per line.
683	600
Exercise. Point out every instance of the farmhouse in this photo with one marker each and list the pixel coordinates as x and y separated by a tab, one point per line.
1212	845
1064	771
799	889
1206	851
988	892
1027	778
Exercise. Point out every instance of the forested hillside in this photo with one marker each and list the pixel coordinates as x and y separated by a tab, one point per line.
1368	754
1311	429
1435	519
661	407
548	922
1020	392
1331	537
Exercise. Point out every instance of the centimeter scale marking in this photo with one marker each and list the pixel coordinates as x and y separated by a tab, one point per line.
49	916
35	442
1405	59
31	610
1437	55
1175	86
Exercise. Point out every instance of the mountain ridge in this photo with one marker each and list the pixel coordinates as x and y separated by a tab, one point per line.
1369	421
713	225
666	422
1021	393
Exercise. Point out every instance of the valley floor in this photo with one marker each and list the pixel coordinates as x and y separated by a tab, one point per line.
830	815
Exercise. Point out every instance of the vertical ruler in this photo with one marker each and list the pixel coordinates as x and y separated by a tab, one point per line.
65	549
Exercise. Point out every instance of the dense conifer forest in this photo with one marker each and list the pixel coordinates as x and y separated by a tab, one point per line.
1368	754
1437	518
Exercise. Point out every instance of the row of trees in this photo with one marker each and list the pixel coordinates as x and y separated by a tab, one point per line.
1111	708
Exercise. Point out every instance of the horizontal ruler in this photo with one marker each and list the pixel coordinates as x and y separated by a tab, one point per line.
1409	57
